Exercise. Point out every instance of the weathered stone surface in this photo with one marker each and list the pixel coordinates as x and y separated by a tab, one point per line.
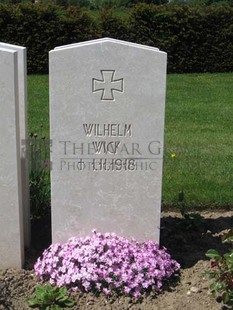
22	90
11	219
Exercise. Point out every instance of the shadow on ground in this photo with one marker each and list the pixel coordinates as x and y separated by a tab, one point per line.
40	240
188	244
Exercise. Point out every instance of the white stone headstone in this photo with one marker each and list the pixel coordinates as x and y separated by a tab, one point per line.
22	88
107	103
11	219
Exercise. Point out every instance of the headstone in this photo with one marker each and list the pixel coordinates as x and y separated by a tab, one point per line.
22	89
11	219
107	103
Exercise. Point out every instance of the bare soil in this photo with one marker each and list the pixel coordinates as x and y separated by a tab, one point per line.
187	244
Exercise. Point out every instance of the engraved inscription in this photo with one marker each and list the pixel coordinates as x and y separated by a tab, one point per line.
108	130
114	154
107	164
107	85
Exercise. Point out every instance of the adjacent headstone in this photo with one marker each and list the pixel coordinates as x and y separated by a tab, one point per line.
107	103
11	219
22	89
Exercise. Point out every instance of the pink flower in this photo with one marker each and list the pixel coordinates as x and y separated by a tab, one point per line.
106	262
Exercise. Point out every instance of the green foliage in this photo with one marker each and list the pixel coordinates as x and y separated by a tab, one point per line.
190	221
38	104
101	4
39	193
203	2
197	159
120	4
197	39
222	273
50	298
42	27
113	26
39	179
197	127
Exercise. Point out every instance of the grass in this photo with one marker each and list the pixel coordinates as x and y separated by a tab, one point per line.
38	104
198	130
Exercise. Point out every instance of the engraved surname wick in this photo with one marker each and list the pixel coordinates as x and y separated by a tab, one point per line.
108	130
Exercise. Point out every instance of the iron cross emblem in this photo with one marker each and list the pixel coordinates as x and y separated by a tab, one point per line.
107	85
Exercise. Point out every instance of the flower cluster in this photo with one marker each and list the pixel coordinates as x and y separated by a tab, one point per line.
106	262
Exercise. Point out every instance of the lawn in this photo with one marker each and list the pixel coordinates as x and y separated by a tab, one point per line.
198	155
38	104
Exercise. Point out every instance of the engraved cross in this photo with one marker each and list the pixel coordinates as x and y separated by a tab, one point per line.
107	85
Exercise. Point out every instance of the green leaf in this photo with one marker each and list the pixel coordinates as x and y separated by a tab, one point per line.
225	297
62	298
229	239
230	263
214	294
213	286
213	254
220	286
63	290
33	302
212	275
69	304
39	291
48	297
56	307
33	305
